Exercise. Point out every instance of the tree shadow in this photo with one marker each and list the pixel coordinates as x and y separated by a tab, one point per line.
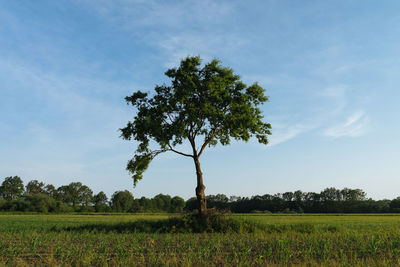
140	226
183	224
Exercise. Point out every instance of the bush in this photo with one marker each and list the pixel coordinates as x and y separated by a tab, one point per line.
62	207
15	205
102	208
41	203
2	203
86	209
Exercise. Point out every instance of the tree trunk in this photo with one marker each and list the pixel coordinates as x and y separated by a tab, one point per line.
201	197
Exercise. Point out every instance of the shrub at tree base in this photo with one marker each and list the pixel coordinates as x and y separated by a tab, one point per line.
189	223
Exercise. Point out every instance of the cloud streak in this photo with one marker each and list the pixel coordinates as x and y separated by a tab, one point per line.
355	125
283	134
175	30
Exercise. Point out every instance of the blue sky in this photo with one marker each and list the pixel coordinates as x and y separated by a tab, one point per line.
330	68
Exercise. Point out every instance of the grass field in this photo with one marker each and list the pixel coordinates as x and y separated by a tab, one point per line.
328	240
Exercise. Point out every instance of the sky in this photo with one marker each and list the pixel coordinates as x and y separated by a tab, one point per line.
330	69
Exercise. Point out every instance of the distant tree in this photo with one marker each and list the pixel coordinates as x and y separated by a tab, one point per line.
192	204
34	187
146	204
100	202
395	205
12	188
51	191
41	203
352	194
233	198
136	206
162	202
298	196
122	201
76	194
204	106
16	205
288	196
219	201
63	193
85	196
330	194
177	204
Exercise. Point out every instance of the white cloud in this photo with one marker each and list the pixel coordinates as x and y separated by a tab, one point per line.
207	44
354	126
323	106
175	30
284	133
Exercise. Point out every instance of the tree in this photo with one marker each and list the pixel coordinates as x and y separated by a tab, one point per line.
100	202
177	204
51	191
75	194
395	205
202	106
12	188
34	187
162	202
146	204
219	201
122	201
352	194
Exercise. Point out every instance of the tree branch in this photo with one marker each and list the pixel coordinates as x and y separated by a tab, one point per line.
178	152
192	142
210	137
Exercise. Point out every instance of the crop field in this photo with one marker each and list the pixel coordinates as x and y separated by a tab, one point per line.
286	240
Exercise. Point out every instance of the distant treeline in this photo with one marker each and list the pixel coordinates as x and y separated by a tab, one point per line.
76	197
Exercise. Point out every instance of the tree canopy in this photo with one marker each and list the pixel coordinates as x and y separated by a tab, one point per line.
202	105
12	188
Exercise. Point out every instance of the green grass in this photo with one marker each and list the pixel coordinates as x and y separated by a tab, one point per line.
305	240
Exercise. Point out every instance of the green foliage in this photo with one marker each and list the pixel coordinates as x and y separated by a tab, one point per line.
51	191
16	205
395	205
207	103
75	194
41	203
330	200
63	207
12	188
162	202
100	202
189	223
34	187
122	201
177	204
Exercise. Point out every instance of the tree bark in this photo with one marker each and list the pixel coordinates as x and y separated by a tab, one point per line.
201	197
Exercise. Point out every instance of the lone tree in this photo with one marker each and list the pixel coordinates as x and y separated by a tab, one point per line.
204	106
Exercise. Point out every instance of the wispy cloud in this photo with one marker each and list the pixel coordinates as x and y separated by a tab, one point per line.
208	45
175	30
354	126
283	133
320	107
